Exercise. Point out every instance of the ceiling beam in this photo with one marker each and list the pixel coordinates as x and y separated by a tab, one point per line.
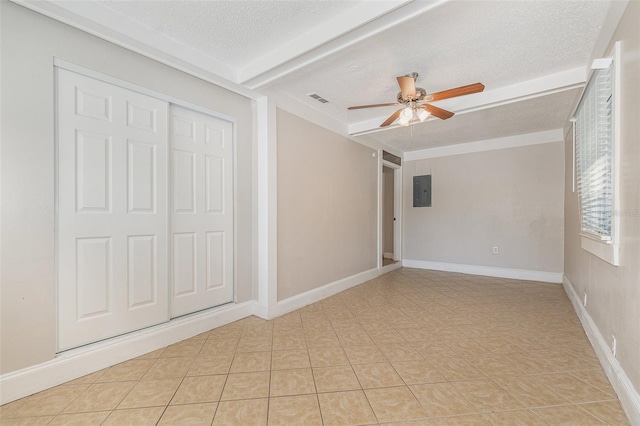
337	26
368	18
547	85
536	138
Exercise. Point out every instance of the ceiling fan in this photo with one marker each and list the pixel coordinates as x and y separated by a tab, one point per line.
415	100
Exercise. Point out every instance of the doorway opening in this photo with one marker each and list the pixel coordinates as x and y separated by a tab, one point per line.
389	214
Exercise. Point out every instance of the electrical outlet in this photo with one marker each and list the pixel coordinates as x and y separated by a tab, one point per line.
584	300
495	250
614	344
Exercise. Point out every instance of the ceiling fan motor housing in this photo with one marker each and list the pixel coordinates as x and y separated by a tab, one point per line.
421	95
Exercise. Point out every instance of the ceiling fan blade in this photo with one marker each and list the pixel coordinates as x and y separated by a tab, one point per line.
458	91
391	118
373	105
438	112
407	86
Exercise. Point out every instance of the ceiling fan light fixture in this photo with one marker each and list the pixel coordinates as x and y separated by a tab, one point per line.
404	121
422	114
407	113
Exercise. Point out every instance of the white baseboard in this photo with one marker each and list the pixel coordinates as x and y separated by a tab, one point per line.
392	267
628	395
490	271
70	365
301	300
387	255
79	362
260	311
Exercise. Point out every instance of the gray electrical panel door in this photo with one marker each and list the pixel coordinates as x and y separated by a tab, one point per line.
422	191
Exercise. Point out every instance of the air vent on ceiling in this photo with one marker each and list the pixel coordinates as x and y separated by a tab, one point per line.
318	98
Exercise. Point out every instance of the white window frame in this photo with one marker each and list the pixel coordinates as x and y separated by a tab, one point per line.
607	249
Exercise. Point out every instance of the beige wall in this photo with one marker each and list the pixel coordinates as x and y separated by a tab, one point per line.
510	198
327	206
29	43
613	300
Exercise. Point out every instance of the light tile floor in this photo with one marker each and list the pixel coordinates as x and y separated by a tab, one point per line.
423	347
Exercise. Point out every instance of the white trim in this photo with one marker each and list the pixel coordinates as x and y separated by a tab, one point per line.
537	138
617	157
267	173
550	84
337	37
61	63
260	310
490	271
276	63
397	211
392	267
389	164
312	296
601	63
380	205
605	250
628	395
573	146
78	362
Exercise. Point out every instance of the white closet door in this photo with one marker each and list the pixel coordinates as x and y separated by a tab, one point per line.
112	210
202	211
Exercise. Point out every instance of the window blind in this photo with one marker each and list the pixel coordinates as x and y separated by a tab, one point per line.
594	155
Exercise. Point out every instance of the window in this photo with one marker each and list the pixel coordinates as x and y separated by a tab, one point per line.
596	151
594	155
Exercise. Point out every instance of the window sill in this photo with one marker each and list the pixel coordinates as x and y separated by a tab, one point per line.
605	250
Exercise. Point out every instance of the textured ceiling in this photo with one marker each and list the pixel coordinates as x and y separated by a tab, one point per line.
531	55
496	43
233	32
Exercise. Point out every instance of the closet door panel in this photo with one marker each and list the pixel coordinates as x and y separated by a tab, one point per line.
141	177
202	185
141	271
93	273
184	182
214	182
112	216
93	171
184	264
215	260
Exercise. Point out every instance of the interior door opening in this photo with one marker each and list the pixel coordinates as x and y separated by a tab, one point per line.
388	216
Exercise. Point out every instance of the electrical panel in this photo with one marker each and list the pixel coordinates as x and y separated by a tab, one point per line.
422	191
